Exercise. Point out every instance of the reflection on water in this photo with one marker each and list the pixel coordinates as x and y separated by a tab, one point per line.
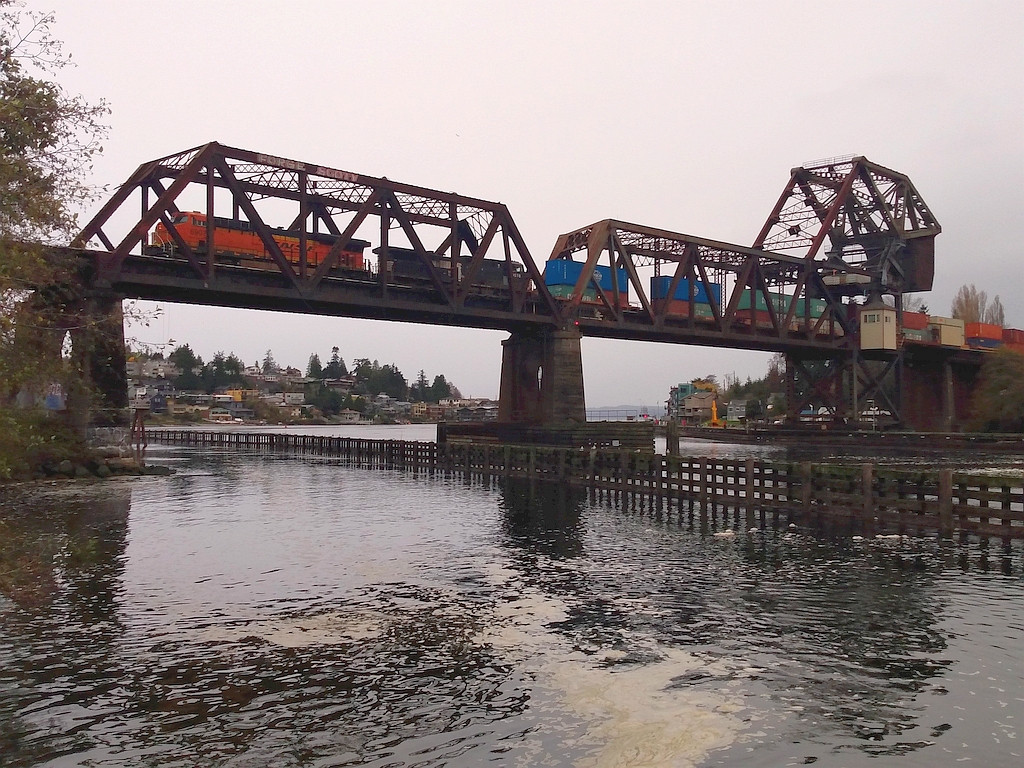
543	517
258	610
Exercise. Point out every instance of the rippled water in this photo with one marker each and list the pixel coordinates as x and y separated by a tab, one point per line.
265	610
929	456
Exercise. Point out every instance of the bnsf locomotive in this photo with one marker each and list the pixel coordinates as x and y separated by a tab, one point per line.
238	243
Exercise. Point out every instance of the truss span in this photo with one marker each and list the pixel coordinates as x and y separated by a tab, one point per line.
220	225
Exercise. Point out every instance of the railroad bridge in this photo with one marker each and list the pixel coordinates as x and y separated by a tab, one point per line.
229	227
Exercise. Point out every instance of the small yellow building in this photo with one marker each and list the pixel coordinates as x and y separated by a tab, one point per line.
877	327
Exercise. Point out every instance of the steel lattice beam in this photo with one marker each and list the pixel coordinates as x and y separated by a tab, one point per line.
736	270
336	201
875	221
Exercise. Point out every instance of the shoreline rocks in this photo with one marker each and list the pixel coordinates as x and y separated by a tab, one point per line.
103	462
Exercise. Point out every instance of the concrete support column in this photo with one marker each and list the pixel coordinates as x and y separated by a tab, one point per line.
792	412
101	340
542	379
948	397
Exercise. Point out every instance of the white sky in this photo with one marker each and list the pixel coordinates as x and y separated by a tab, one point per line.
682	115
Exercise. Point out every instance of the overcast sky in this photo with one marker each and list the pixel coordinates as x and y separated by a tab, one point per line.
686	116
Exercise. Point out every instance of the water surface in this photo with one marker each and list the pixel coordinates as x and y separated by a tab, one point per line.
267	610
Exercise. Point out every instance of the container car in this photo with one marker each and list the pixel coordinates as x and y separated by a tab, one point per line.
404	263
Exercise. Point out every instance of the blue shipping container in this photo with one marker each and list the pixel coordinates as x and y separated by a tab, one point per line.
660	286
567	272
981	343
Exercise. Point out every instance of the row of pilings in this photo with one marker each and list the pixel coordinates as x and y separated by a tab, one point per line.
747	492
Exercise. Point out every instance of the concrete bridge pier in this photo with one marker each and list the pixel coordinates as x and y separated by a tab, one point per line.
542	379
99	345
93	376
937	394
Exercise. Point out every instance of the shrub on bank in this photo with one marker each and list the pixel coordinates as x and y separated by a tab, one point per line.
32	440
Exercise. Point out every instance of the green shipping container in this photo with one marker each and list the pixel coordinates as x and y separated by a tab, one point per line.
911	334
565	292
781	301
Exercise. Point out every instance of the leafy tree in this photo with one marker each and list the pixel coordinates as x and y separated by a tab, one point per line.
314	370
331	402
48	139
374	378
998	404
972	306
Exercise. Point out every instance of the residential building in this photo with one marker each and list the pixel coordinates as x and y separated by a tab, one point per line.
737	410
697	408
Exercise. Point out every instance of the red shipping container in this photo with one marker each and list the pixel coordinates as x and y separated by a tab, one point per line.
672	306
983	331
916	321
1013	336
1016	347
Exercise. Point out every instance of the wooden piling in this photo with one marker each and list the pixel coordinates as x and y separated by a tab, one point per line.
982	506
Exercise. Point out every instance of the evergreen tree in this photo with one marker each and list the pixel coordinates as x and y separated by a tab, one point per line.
314	370
335	368
420	391
440	389
189	365
269	364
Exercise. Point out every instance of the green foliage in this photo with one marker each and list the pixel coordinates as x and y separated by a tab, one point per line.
419	391
330	402
374	379
314	369
440	390
30	440
998	404
758	392
335	368
222	371
190	366
48	140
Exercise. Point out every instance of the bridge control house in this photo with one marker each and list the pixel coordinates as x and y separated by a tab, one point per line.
878	327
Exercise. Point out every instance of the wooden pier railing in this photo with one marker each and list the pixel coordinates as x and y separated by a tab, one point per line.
874	500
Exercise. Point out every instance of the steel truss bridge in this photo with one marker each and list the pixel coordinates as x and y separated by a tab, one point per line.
840	228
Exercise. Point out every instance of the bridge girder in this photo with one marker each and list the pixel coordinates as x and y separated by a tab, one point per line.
854	199
876	223
436	227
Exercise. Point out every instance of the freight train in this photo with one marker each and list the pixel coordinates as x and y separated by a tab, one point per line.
561	275
237	243
405	265
921	328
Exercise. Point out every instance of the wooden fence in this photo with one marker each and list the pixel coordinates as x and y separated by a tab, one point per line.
871	499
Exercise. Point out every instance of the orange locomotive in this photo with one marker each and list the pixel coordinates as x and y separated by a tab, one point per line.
237	242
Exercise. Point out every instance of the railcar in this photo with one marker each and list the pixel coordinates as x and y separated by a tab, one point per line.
238	243
404	263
